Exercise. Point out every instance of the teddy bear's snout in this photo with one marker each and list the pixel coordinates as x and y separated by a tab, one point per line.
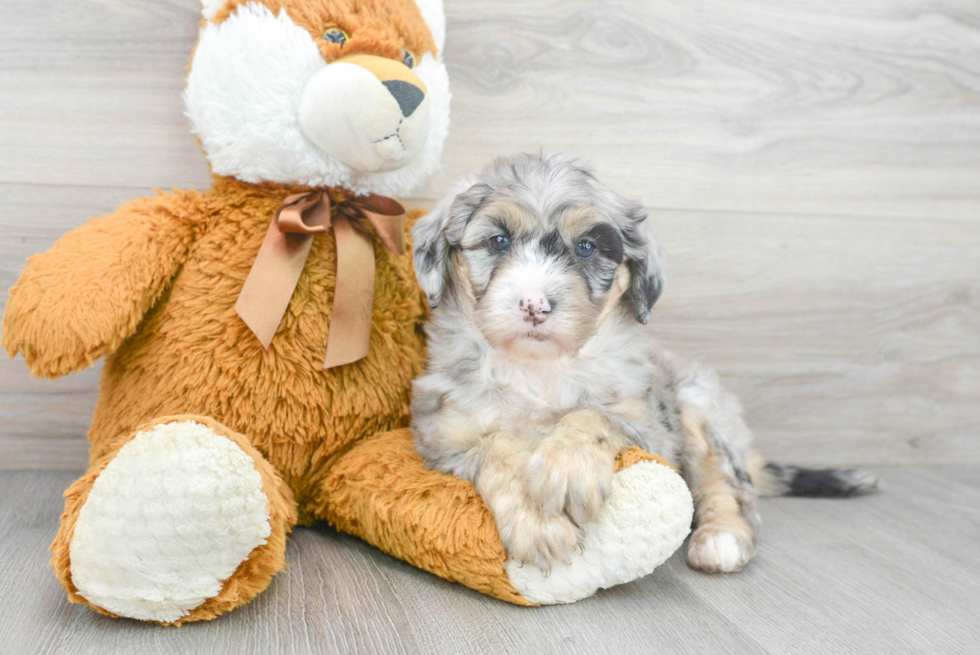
408	96
368	112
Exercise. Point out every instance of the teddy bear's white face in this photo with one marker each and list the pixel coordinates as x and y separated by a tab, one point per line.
268	107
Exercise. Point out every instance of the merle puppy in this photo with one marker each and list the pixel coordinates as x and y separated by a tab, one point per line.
542	368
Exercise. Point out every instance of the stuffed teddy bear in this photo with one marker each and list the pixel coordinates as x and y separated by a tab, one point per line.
261	337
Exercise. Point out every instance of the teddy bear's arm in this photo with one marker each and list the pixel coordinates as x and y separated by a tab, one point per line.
82	298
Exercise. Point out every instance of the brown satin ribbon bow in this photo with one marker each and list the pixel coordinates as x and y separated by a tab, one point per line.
270	284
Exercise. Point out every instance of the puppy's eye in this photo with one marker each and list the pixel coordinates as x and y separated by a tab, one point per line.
408	58
335	35
585	249
499	243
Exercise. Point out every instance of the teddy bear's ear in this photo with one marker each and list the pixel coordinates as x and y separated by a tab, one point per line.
435	17
210	7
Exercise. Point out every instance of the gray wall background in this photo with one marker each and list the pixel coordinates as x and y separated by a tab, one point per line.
813	170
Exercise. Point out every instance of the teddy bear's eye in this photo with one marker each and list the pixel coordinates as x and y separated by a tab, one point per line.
335	35
408	58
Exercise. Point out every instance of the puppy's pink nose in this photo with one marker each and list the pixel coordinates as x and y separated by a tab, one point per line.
535	307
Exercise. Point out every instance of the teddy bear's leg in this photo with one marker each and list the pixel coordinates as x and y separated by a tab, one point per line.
181	521
382	492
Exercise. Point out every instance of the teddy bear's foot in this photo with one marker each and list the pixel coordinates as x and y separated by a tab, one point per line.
382	491
184	522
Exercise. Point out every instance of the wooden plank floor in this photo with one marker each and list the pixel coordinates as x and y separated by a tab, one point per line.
895	573
813	170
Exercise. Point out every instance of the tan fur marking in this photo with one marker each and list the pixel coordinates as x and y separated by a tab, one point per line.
620	284
717	508
577	220
514	216
461	278
764	483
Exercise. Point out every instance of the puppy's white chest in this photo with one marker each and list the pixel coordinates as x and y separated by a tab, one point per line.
539	387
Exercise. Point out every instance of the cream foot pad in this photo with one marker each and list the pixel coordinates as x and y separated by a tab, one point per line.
167	521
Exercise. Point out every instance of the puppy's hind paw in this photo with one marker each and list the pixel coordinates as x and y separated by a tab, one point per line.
715	550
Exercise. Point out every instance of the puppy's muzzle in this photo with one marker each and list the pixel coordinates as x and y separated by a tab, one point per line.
369	112
535	307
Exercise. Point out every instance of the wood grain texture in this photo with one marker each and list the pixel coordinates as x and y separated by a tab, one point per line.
817	107
890	573
811	167
866	108
850	341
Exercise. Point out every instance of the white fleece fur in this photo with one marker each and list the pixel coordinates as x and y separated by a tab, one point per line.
435	17
167	521
647	517
243	95
210	7
377	136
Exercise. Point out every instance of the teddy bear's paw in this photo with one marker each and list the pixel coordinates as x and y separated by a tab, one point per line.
646	518
168	520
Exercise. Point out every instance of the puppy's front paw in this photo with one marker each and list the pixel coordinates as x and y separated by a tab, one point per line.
716	550
571	470
540	540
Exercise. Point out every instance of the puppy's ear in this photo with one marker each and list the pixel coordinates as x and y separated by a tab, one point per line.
431	252
645	258
647	277
438	232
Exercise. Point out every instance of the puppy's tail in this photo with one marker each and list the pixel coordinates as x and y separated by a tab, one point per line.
773	479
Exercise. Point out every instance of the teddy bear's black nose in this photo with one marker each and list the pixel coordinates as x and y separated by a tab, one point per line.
408	95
